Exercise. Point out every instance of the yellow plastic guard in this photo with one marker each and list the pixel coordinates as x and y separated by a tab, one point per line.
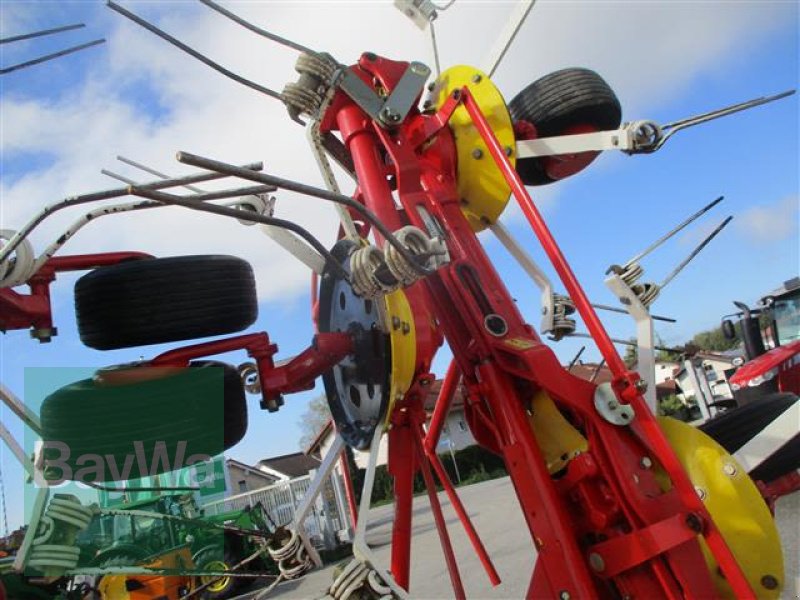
736	506
559	441
481	185
403	342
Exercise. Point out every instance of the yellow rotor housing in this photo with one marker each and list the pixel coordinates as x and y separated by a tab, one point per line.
483	189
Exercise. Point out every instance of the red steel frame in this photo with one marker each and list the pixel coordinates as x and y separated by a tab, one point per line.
597	508
598	531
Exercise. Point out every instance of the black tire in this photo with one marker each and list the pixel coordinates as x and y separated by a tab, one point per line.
160	300
561	100
203	405
210	556
734	428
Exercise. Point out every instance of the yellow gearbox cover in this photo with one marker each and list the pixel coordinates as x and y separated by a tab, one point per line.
481	185
739	511
403	342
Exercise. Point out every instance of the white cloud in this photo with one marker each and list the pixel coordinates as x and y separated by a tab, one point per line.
649	52
770	222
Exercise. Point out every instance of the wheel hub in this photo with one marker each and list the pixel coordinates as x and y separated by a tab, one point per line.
358	387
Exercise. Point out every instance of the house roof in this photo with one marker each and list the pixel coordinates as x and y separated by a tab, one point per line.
320	437
232	462
433	395
587	370
296	464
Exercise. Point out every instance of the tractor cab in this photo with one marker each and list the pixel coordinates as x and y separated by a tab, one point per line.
771	336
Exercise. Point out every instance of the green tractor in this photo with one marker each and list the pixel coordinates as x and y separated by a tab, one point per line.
218	542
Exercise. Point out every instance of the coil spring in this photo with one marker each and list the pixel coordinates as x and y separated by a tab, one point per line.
364	266
321	66
563	306
291	557
53	548
306	95
301	99
358	576
20	266
646	292
417	243
630	273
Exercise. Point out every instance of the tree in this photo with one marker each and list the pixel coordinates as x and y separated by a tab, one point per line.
632	353
714	339
315	417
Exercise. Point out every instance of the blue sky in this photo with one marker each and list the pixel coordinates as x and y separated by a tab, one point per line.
136	96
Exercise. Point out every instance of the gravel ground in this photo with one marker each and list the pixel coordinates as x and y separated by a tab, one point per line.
493	508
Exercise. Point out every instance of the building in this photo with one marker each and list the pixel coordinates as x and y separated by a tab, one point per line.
246	478
716	367
289	466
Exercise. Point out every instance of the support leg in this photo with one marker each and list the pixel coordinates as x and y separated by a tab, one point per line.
438	516
402	466
458	506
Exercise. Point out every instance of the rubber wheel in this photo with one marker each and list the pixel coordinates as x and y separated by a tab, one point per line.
202	406
213	559
153	301
561	101
734	428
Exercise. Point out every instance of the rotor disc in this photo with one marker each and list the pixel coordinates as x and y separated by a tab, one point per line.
358	387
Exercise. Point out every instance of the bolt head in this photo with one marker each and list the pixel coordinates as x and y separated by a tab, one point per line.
641	385
694	522
564	595
701	493
770	582
477	153
596	562
476	78
509	150
729	469
613	405
646	463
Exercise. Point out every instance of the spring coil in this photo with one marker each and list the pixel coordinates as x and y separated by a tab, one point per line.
306	95
646	292
630	273
563	306
20	266
417	243
321	66
364	266
291	557
53	549
359	580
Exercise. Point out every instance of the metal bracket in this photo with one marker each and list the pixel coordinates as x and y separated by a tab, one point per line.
645	336
636	137
395	108
610	408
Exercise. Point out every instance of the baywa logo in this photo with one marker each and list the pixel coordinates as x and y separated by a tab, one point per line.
60	466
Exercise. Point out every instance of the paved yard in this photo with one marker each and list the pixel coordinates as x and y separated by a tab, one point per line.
493	508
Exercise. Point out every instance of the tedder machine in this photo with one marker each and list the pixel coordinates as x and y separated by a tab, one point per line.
619	503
